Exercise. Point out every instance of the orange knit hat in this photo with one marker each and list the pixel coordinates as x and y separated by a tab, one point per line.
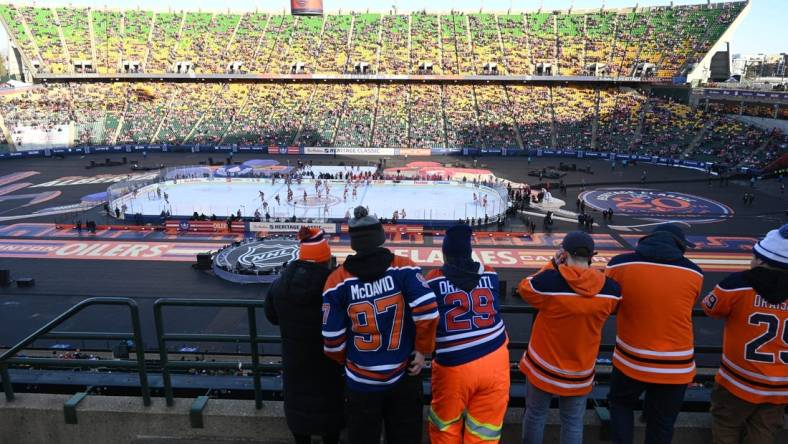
314	245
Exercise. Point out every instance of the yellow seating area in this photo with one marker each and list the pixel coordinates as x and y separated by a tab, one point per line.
381	115
562	42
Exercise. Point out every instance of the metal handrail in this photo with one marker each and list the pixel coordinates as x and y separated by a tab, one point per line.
135	336
252	338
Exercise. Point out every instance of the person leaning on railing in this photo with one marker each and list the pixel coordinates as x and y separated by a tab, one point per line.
380	319
470	371
313	383
654	350
574	301
751	389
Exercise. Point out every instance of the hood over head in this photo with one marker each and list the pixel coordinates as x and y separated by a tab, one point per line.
661	246
304	281
465	277
370	265
770	283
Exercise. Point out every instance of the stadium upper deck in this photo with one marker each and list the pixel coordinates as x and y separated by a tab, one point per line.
657	42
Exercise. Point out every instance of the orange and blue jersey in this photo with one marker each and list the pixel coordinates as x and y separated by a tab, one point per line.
754	364
374	327
469	325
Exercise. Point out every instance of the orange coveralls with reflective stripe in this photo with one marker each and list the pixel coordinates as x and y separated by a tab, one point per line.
470	373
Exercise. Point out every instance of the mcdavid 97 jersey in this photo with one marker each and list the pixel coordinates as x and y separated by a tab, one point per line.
374	327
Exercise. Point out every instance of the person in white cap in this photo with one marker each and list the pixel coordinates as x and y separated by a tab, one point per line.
751	389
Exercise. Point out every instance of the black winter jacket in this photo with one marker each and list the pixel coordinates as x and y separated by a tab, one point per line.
313	384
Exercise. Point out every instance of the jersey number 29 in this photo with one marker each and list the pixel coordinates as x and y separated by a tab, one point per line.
772	323
479	302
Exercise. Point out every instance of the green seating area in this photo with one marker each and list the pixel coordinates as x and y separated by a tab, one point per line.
456	45
380	115
669	37
135	32
17	31
391	119
394	55
515	44
76	33
304	44
163	42
247	36
108	44
364	42
44	28
192	43
571	43
484	38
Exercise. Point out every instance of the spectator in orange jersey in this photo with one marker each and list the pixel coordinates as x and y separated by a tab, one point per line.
751	389
574	301
654	342
470	372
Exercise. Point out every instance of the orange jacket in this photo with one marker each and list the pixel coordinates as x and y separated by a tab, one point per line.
573	305
754	364
654	338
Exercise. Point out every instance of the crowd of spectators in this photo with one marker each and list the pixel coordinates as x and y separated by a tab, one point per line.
565	43
378	115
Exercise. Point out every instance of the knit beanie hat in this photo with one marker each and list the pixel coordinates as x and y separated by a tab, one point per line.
457	243
773	249
314	245
366	232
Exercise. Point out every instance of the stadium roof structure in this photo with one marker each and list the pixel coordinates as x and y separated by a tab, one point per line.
651	43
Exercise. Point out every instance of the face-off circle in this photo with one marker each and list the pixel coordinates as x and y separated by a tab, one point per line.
656	204
312	201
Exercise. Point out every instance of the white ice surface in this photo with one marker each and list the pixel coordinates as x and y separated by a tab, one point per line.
434	201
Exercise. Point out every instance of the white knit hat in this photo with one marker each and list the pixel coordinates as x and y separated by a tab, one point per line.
773	249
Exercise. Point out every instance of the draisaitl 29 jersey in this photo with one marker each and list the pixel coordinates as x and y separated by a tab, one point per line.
469	326
374	327
754	364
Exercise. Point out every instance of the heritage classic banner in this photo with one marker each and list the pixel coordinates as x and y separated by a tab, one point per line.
504	258
284	227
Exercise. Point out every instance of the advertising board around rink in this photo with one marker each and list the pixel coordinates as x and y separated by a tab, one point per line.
285	227
504	258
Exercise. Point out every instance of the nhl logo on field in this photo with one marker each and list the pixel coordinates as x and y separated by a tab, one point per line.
255	261
268	255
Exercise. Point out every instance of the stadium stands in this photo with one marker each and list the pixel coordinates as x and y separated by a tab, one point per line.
381	115
615	42
658	41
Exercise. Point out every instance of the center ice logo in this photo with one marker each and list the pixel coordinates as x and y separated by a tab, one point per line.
658	204
268	255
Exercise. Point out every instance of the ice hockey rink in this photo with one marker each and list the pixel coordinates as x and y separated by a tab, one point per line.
421	200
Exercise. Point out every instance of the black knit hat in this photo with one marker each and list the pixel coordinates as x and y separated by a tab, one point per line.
457	242
366	232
